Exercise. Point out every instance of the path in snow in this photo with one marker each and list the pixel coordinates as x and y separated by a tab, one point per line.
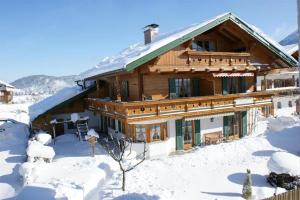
211	172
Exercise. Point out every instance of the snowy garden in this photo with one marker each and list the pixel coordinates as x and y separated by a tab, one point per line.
67	168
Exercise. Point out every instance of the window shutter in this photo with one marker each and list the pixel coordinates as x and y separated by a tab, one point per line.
172	88
225	126
225	85
196	87
244	123
242	84
179	137
197	132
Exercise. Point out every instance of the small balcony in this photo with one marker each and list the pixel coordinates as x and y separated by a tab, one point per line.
183	107
218	58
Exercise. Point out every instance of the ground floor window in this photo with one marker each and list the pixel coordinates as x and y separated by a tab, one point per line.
290	104
187	131
150	132
279	105
155	132
140	133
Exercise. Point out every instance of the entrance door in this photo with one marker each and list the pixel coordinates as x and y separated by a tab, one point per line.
187	132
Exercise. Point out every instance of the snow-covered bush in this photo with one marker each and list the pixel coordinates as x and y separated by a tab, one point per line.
43	138
25	171
284	162
247	186
37	150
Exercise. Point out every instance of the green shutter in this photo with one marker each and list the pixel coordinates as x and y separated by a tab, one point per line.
225	126
179	137
225	85
196	87
242	84
172	87
197	132
244	123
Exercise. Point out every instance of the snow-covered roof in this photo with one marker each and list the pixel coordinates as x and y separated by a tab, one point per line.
140	53
6	84
47	104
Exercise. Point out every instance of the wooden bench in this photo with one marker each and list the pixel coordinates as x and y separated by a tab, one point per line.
213	138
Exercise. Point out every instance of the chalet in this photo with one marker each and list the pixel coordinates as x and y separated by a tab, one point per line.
191	87
6	92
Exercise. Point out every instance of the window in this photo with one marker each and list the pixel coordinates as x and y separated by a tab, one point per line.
284	83
119	126
125	90
140	133
203	46
279	105
290	104
155	132
187	131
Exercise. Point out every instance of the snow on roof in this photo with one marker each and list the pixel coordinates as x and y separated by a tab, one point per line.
46	104
138	50
6	84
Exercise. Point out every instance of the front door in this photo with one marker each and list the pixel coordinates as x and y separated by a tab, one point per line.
187	132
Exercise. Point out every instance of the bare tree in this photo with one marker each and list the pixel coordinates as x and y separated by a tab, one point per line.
119	147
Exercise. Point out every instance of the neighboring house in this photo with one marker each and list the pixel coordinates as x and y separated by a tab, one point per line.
6	92
191	87
285	84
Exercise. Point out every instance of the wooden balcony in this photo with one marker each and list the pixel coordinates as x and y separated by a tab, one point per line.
183	107
218	58
197	61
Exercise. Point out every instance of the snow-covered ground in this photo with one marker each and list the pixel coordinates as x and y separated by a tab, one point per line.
13	142
209	172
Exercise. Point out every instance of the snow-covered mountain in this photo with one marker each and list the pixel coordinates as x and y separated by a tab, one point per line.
290	39
42	84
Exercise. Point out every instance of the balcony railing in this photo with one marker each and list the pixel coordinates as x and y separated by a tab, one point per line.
218	58
181	107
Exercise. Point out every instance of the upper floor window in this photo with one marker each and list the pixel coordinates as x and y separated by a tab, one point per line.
284	83
203	46
125	90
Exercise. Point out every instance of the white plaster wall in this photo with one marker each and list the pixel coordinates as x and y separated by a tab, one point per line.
285	110
258	82
208	127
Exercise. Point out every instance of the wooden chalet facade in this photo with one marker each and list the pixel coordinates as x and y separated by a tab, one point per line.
6	92
197	88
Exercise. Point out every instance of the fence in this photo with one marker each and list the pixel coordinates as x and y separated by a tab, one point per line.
290	195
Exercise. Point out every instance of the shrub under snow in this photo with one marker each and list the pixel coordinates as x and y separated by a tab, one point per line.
36	150
43	138
284	162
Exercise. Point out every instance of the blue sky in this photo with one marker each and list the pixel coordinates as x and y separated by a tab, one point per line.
63	37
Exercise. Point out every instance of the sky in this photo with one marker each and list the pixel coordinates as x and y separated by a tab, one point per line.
67	37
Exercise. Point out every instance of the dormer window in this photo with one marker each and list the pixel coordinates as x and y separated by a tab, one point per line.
203	46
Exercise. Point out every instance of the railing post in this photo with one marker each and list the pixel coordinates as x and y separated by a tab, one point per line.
157	110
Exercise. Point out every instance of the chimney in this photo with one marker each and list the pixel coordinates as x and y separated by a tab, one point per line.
150	32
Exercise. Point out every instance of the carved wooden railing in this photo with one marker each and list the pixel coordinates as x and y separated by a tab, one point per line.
218	58
181	105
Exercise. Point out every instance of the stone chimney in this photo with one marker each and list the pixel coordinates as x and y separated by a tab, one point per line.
150	32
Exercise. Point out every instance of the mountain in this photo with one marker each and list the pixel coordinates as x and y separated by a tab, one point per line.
42	84
290	39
